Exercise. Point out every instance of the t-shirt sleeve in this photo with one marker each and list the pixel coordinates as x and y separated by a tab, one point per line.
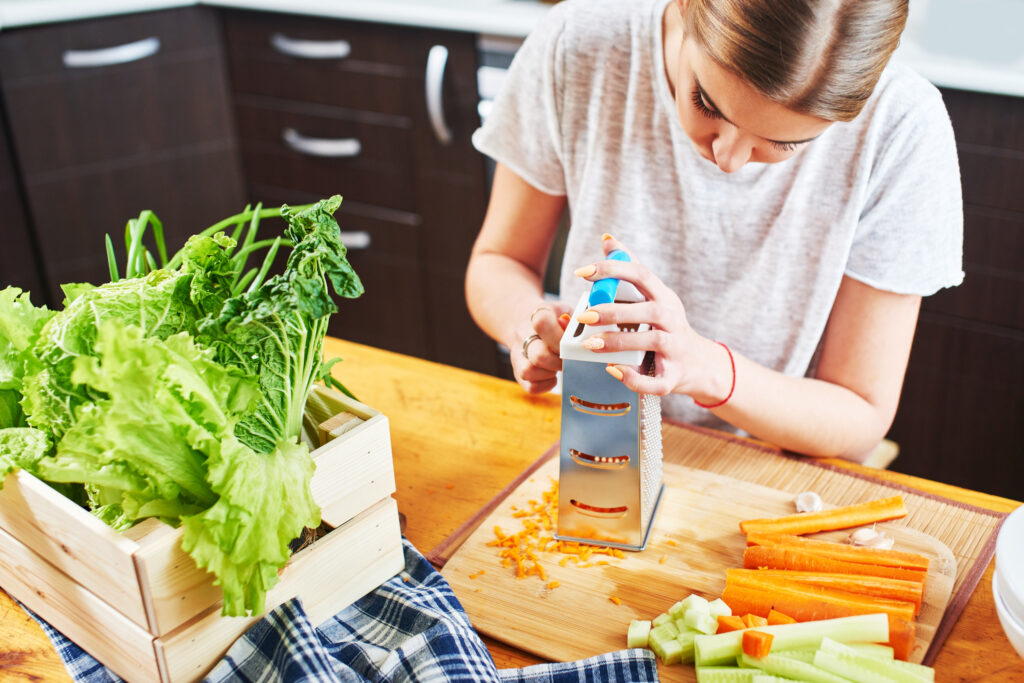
522	129
909	238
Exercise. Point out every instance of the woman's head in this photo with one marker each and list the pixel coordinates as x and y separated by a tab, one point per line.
755	80
817	57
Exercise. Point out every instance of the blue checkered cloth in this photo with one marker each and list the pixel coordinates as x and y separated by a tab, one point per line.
412	628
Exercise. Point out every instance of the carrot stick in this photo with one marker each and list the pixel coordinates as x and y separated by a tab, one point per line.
877	586
837	518
782	557
778	587
757	643
776	617
902	632
842	551
728	623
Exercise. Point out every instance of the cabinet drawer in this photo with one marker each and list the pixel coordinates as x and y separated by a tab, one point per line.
266	58
385	249
281	147
39	53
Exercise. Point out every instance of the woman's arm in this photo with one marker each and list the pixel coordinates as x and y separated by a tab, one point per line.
848	407
504	289
845	410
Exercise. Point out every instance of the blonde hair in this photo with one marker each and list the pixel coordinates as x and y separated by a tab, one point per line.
817	57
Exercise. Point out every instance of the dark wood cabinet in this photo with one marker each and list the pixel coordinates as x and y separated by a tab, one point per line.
338	107
18	263
961	412
114	115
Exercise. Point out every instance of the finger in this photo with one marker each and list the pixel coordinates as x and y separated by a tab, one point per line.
610	244
610	342
541	387
654	313
639	382
539	363
636	273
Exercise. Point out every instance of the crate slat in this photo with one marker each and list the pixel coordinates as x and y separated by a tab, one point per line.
93	624
336	570
74	541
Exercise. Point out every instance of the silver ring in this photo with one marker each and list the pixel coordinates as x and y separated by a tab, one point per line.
537	310
526	344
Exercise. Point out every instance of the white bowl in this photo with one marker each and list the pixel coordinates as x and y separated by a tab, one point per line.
1013	627
1010	563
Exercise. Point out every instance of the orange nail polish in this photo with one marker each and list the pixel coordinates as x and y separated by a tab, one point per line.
614	372
585	271
588	317
605	236
593	343
565	317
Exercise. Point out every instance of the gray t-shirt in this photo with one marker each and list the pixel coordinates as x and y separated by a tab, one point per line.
756	256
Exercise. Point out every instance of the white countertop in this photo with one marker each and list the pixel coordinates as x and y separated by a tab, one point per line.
970	46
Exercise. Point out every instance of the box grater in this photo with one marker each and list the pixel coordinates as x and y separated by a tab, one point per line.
610	475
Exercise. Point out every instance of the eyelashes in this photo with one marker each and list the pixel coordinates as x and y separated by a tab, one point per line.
704	110
698	102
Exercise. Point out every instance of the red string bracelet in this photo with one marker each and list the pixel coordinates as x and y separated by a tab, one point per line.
732	364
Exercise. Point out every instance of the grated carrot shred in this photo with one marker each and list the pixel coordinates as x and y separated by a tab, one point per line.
553	584
615	599
662	559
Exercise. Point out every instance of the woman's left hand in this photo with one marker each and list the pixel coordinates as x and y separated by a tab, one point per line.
685	362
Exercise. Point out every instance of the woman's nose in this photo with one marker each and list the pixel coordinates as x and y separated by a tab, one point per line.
730	149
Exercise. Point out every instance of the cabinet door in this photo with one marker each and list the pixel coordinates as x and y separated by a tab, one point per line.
115	115
18	264
451	193
963	398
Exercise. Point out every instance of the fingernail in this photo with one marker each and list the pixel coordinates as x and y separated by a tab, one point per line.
606	236
588	317
614	372
565	317
593	343
585	271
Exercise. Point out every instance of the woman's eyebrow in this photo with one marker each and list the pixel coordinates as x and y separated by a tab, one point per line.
712	105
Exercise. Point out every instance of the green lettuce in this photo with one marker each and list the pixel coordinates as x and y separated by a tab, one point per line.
20	326
21	448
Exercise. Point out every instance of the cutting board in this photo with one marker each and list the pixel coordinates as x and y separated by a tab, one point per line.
695	538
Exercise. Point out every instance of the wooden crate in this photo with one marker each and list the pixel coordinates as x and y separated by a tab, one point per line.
137	602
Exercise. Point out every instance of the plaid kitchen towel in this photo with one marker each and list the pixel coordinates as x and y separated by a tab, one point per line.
412	628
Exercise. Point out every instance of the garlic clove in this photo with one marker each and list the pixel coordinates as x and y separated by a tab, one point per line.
809	501
871	539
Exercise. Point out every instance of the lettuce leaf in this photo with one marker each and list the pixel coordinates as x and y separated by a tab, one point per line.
163	302
20	326
21	447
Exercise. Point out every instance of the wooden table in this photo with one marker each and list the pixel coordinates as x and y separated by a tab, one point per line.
458	439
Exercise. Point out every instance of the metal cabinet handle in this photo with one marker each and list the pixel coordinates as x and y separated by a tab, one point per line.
321	147
356	239
310	49
437	60
119	54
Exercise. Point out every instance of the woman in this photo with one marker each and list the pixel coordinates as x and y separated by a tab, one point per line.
787	197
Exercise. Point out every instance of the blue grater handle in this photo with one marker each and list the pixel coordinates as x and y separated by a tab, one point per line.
603	291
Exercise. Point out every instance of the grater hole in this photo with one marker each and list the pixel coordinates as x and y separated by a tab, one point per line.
599	462
595	511
602	409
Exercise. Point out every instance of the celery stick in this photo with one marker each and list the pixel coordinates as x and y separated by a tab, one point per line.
868	649
718	608
843	666
670	651
661	619
863	628
666	631
786	667
638	632
768	678
699	621
685	640
725	674
872	665
925	672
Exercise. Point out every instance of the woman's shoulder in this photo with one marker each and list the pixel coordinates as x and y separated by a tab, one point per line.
602	24
904	98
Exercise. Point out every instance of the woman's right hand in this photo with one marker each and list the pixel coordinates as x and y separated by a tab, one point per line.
534	351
